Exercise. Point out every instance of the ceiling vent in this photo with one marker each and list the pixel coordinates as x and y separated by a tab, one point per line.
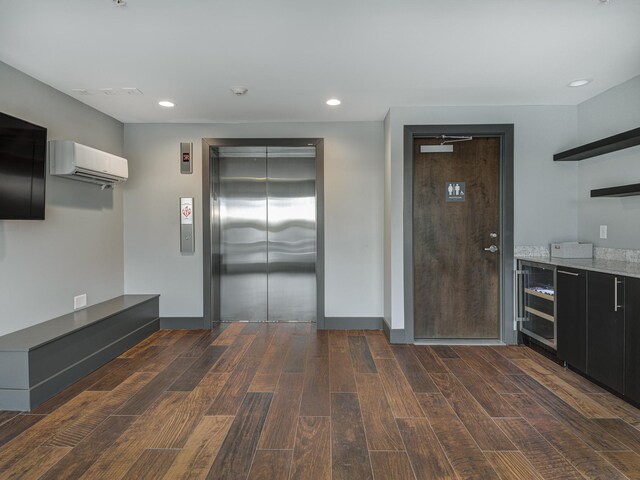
239	91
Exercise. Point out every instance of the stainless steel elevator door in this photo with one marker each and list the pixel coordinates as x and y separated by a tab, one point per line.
243	234
291	227
267	220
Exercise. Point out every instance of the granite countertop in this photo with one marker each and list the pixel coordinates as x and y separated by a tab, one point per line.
614	267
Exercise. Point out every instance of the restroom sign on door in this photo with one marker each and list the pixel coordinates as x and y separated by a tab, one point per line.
454	191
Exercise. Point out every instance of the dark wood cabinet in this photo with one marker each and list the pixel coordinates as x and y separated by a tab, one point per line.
571	317
597	324
632	339
605	329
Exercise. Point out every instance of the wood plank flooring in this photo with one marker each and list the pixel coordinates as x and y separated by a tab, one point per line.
284	401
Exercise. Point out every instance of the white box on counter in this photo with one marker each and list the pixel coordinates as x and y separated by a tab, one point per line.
572	250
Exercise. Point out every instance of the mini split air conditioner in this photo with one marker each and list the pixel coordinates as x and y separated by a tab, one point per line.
79	162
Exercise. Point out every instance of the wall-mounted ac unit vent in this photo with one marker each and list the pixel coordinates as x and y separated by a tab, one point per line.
79	162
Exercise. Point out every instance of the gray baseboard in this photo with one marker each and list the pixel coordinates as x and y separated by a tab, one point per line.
353	323
394	335
183	323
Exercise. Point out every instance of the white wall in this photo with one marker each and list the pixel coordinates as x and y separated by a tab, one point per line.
78	248
353	175
614	111
545	191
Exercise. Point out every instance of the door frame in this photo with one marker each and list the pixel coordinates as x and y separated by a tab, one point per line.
210	227
505	132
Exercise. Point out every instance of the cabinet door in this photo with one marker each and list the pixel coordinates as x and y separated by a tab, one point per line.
605	329
571	316
632	339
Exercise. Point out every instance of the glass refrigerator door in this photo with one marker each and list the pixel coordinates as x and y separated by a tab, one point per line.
538	302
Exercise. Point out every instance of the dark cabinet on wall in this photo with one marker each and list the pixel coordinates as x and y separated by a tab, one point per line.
571	317
632	339
605	329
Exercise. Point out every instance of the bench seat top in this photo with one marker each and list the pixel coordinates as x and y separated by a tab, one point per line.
40	334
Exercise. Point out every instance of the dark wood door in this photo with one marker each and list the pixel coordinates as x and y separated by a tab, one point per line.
456	208
632	339
571	316
605	329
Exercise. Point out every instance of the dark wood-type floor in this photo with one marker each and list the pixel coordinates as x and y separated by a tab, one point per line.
258	401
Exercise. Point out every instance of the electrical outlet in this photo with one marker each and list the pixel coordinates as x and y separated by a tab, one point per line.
603	231
80	301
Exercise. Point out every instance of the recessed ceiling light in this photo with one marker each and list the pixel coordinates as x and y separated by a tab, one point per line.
166	103
579	83
333	102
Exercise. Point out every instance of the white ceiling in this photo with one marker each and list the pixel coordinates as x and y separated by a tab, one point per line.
295	54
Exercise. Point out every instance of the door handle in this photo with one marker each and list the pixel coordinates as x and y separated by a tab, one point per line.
569	273
616	282
517	304
492	249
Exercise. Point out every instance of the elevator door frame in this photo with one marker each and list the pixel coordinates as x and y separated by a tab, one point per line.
210	228
505	132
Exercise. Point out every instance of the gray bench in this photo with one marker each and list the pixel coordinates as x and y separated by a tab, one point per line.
40	361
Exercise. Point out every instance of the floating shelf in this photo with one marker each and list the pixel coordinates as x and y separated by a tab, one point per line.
600	147
620	191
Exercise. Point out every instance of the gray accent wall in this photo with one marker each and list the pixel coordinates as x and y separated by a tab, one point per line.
614	111
545	208
78	248
353	208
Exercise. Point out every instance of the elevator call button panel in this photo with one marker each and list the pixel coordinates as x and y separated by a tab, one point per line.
187	234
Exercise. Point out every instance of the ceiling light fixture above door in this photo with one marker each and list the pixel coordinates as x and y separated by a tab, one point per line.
333	102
